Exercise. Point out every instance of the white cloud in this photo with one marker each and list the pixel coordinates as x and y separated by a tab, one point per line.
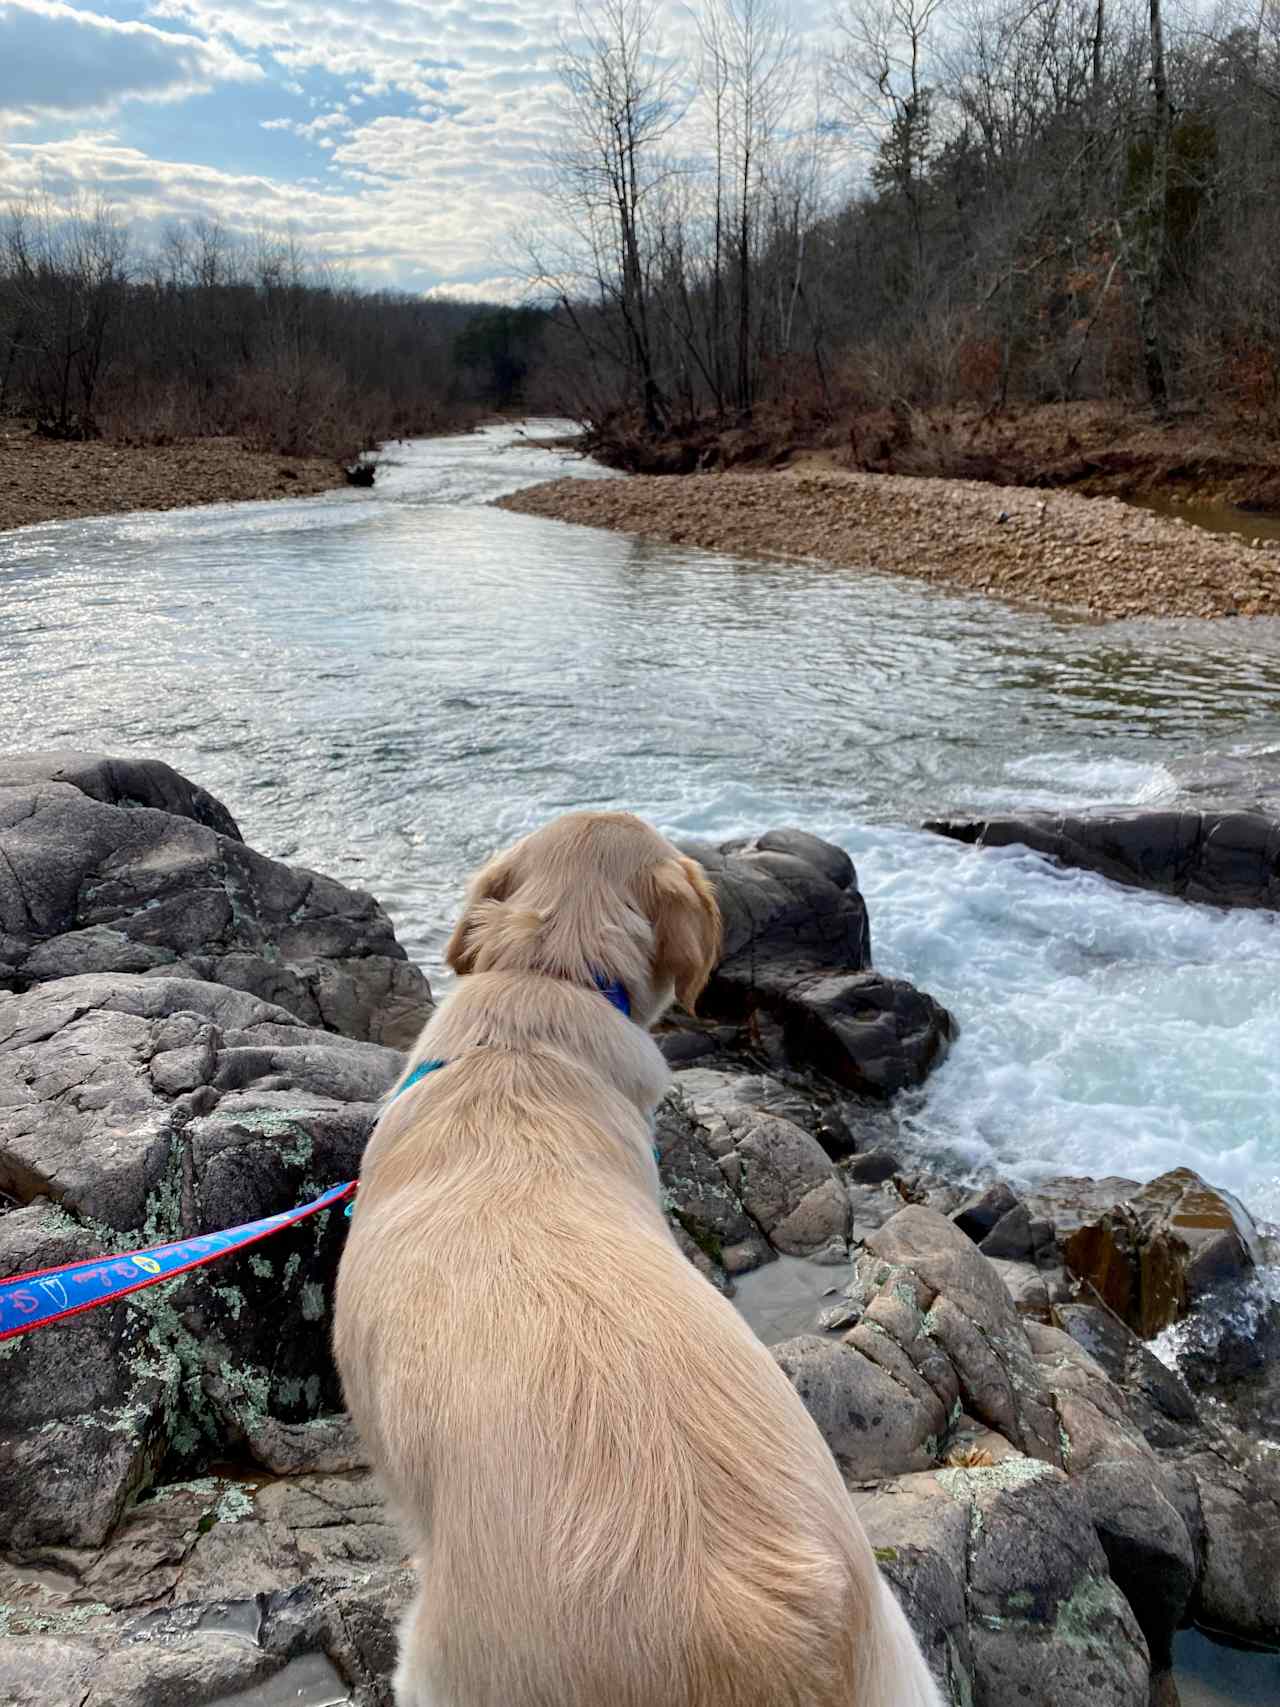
56	59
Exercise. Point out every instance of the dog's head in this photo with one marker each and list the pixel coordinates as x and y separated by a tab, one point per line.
594	892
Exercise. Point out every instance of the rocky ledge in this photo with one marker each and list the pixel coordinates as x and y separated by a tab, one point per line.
1229	859
193	1036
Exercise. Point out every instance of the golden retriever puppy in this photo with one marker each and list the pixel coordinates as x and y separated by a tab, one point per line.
615	1496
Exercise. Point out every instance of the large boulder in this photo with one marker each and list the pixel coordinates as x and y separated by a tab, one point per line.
116	866
1001	1566
1231	859
134	1110
795	977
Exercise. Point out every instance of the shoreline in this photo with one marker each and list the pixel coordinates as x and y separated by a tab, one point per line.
47	480
1054	550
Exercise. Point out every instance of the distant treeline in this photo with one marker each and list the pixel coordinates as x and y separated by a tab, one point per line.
977	201
211	335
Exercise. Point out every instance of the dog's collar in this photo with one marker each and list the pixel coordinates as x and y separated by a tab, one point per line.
612	991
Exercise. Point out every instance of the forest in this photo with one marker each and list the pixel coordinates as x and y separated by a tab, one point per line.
974	204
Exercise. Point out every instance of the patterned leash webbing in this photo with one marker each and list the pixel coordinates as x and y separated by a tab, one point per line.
47	1295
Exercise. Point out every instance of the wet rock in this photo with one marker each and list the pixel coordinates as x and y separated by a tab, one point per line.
871	1034
873	1425
113	866
873	1168
1045	1622
795	975
788	912
1229	859
1151	1256
1155	1397
135	1110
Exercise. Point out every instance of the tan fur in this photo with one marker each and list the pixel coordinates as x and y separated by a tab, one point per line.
615	1495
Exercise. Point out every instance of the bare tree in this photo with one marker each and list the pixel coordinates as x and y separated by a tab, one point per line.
622	99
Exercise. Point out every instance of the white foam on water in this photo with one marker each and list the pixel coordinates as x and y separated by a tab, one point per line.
1102	1029
1067	780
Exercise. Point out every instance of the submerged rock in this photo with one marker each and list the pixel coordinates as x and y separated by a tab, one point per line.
1230	859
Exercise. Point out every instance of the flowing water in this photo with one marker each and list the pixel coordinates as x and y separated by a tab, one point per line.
388	684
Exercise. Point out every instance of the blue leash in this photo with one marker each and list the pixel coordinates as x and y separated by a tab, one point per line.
41	1296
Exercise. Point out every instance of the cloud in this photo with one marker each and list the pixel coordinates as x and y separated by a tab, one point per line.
57	60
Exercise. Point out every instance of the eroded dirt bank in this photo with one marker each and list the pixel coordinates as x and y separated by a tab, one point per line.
44	480
1056	549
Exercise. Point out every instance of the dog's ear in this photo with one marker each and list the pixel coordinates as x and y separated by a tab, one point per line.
492	883
686	927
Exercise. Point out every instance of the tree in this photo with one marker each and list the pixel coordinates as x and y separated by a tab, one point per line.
621	102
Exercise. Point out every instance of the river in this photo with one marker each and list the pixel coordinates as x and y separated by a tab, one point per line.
387	684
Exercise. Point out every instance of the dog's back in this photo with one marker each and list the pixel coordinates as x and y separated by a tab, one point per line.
617	1495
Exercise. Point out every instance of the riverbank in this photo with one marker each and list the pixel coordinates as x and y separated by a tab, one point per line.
1053	549
1051	1499
44	480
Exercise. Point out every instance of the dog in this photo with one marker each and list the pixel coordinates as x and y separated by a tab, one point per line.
615	1496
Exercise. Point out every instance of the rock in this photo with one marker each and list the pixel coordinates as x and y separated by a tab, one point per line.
1229	859
920	1539
787	917
116	866
1151	1256
795	975
1146	1514
1014	1542
871	1034
967	1313
833	862
120	782
135	1110
1025	1285
699	1199
873	1425
782	1176
1010	1238
208	1588
980	1213
1239	1589
873	1168
1155	1397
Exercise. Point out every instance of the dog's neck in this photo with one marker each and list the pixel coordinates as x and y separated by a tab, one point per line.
533	1011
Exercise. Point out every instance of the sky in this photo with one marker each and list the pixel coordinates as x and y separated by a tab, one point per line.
399	138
